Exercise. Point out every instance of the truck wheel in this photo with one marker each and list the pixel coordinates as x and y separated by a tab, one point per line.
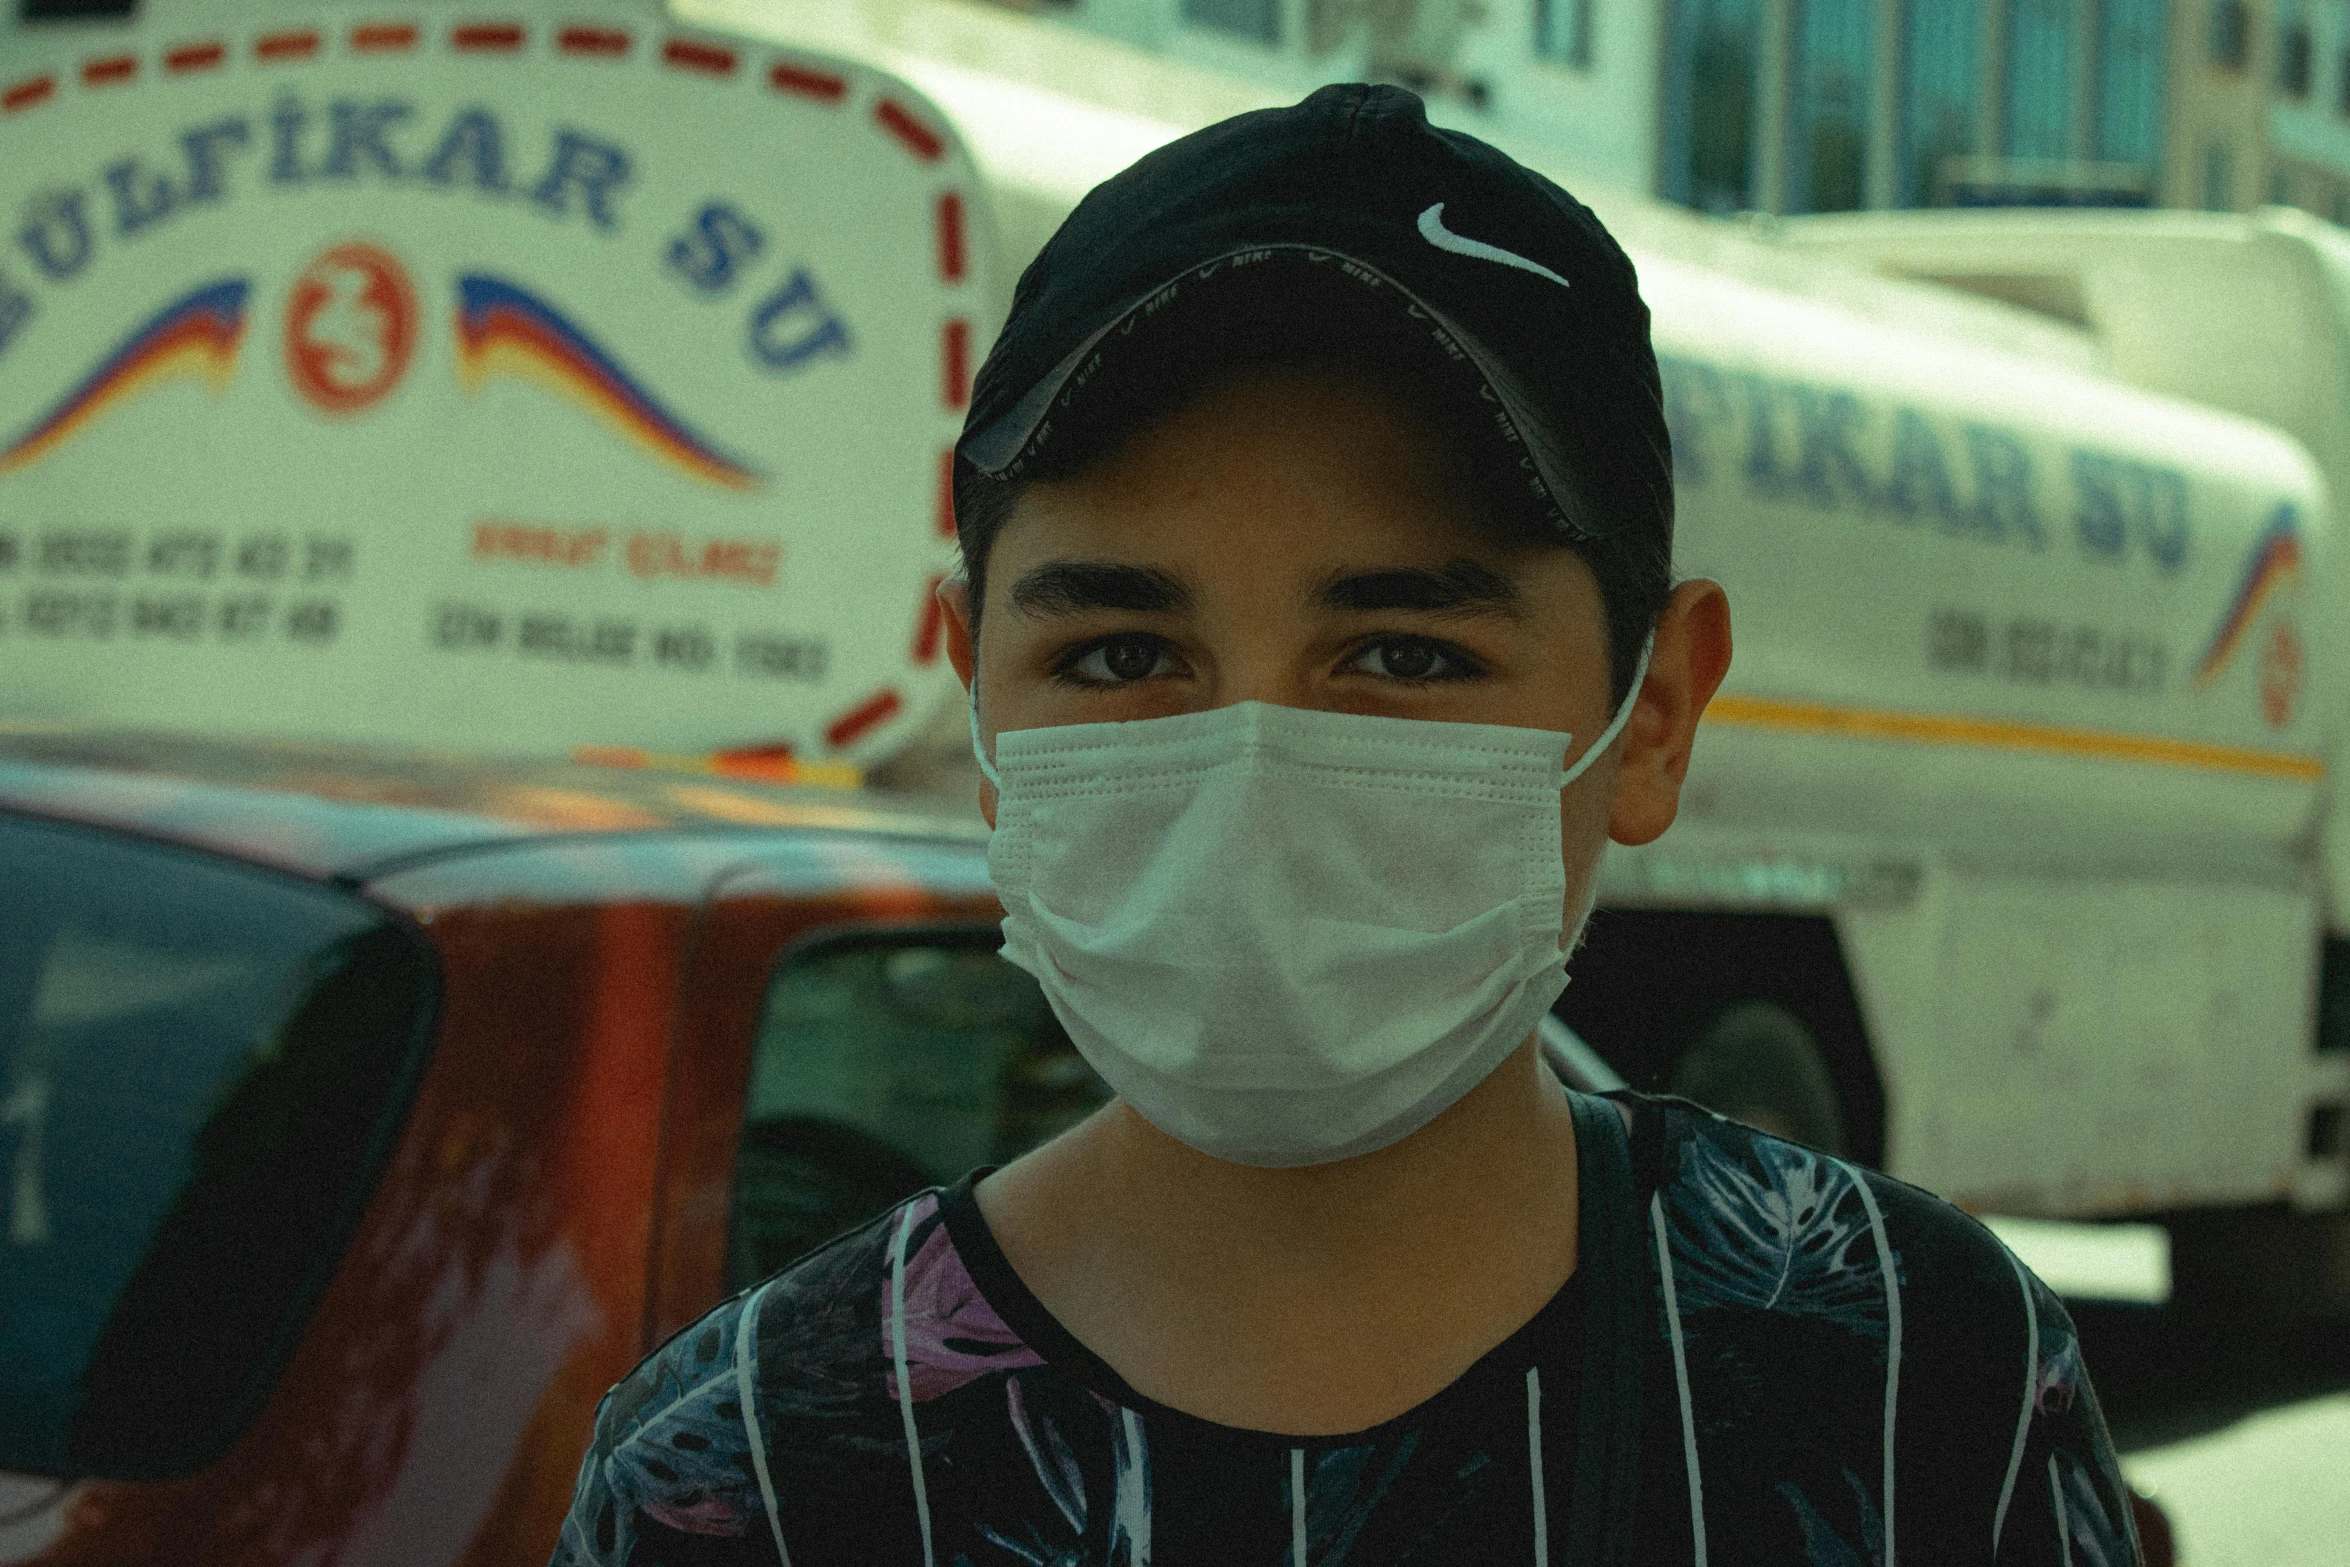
2266	1264
1757	1062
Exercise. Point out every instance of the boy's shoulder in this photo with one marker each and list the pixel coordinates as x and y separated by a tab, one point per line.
686	1443
1732	1192
1837	1338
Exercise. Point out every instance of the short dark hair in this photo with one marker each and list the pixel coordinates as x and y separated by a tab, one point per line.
1300	318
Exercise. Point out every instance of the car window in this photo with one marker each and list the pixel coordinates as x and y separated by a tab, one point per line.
201	1067
885	1064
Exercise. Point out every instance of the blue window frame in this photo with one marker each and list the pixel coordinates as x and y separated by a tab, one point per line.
2131	43
1828	104
2294	50
1256	20
1712	52
1941	89
2042	54
1562	31
2230	38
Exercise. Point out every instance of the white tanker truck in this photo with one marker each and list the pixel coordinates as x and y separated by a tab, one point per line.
597	374
2004	859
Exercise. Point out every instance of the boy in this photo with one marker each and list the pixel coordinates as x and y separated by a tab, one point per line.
1316	515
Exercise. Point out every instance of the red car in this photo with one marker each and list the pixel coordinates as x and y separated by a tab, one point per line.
363	1117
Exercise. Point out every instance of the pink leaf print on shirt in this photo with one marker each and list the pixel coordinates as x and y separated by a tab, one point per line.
953	1335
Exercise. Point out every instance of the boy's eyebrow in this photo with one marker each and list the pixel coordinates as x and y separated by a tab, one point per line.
1459	587
1072	587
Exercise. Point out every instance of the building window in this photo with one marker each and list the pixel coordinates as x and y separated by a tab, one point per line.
1941	61
2040	58
1562	31
1710	67
2231	34
2219	177
2130	52
2293	58
1256	20
1828	104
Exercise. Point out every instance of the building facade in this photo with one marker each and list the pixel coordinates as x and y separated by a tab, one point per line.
1793	106
1830	105
1576	77
2262	108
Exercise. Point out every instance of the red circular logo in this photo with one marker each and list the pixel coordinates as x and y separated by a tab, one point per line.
350	328
2281	672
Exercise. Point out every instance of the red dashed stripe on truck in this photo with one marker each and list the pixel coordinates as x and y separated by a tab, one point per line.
204	56
486	37
24	94
957	357
583	42
866	716
918	138
687	55
383	38
601	43
285	46
950	237
802	82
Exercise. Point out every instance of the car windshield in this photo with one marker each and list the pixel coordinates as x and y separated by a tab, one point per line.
200	1068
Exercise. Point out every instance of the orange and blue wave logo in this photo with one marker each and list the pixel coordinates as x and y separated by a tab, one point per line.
194	336
505	330
2276	561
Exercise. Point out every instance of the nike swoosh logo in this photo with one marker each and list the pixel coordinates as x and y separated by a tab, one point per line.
1432	230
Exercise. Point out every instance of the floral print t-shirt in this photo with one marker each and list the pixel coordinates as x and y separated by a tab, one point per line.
1765	1355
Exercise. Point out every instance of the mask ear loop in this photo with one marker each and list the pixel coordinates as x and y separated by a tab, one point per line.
1615	725
986	767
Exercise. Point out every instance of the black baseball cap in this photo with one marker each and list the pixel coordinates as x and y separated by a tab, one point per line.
1531	309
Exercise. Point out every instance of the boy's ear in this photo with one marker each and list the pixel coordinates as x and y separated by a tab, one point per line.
954	596
1691	657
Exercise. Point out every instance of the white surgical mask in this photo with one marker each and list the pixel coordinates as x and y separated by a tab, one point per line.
1283	936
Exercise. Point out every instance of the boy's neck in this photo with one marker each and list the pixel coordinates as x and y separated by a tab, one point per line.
1223	1289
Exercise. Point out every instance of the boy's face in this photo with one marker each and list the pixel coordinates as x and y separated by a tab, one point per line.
1296	538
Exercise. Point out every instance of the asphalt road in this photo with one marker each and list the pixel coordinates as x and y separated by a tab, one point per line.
2240	1432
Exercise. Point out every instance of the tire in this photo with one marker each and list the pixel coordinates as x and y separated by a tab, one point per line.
2263	1264
1649	983
1757	1062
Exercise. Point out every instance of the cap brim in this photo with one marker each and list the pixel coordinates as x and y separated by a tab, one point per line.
1549	472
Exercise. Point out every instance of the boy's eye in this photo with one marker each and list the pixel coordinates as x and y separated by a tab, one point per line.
1413	658
1117	661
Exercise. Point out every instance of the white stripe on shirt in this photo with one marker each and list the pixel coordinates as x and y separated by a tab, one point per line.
2023	1414
1868	1200
2064	1522
1297	1507
1664	1260
1534	1464
746	1388
897	1336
